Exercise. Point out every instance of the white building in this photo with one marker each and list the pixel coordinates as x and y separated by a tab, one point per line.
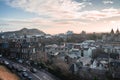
84	50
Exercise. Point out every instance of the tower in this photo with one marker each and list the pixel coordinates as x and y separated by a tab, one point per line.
117	31
112	32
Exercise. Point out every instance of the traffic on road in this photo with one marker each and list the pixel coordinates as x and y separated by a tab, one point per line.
25	71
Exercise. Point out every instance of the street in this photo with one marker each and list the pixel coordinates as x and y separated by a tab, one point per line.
39	75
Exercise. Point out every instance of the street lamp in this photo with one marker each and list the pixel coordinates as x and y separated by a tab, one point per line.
29	52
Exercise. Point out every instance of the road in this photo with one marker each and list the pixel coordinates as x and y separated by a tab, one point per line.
39	75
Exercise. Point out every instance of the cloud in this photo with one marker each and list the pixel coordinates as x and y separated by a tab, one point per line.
61	14
25	22
107	1
64	9
102	14
116	23
53	8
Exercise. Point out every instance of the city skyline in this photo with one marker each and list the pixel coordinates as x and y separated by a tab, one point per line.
59	16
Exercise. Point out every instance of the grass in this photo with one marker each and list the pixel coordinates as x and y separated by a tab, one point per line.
5	74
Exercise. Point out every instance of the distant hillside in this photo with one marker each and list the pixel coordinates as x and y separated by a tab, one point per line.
22	32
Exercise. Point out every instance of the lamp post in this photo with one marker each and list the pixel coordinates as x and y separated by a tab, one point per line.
109	60
29	52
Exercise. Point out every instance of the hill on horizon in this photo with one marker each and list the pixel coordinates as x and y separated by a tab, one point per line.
22	32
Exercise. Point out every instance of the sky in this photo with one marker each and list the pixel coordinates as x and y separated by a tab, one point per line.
59	16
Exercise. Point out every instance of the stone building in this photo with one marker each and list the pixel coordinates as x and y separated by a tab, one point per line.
112	36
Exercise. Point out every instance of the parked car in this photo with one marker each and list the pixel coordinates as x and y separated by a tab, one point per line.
20	61
25	74
10	66
33	70
19	69
0	55
14	67
24	70
29	78
6	62
2	61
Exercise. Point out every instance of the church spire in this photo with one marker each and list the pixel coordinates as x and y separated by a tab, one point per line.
117	31
112	31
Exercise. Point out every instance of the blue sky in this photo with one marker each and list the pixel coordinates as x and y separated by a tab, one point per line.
59	16
10	12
